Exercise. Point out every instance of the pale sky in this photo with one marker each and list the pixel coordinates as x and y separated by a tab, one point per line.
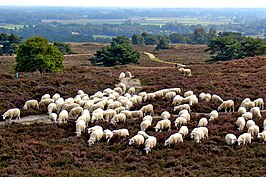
140	3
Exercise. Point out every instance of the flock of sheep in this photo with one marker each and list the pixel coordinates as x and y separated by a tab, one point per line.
117	105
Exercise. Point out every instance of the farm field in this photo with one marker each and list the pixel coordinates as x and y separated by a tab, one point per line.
54	150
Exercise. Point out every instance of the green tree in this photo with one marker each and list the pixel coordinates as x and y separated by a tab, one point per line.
163	43
149	39
116	54
199	36
177	38
137	39
36	54
9	43
64	48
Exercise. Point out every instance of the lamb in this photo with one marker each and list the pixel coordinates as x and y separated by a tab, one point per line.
213	115
137	140
147	109
121	132
45	102
173	139
183	131
250	123
14	112
31	103
180	121
181	107
95	136
150	143
53	117
118	118
163	124
165	115
145	124
185	72
245	138
256	112
259	103
108	135
51	107
229	104
75	112
262	136
56	96
131	90
247	115
203	122
92	129
46	96
188	93
122	75
241	110
230	139
241	122
217	98
254	130
63	115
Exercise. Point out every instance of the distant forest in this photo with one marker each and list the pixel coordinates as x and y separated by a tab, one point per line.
67	24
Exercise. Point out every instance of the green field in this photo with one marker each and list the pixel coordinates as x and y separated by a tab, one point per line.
145	21
11	26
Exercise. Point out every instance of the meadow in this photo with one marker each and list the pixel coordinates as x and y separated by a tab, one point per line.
54	150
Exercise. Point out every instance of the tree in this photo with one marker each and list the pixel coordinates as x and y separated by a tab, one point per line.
177	38
64	48
137	39
164	43
119	52
9	43
199	36
149	39
36	54
234	46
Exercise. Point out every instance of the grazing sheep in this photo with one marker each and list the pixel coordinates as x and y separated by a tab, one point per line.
240	122
14	112
217	98
163	124
142	94
97	116
31	104
128	74
149	96
63	115
249	105
122	75
213	115
75	112
170	95
197	134
188	93
245	101
114	105
148	117
85	115
137	114
131	90
245	138
137	140
147	109
193	100
184	111
144	134
53	117
118	118
250	123
262	136
80	92
80	127
109	114
205	131
120	109
241	110
150	143
69	106
173	139
179	121
51	107
45	102
185	72
229	104
165	115
118	90
181	107
121	132
108	135
122	86
203	122
46	96
247	115
255	112
202	96
95	127
56	96
183	131
208	97
145	124
254	130
177	100
230	139
95	136
259	103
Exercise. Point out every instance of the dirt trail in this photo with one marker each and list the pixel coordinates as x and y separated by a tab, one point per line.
153	58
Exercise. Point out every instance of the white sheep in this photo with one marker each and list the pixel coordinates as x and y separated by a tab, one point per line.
170	95
95	127
95	136
80	92
137	140
149	96
177	100
230	139
80	127
203	122
202	96
181	107
244	101
53	117
179	121
109	114
193	100
56	96
163	124
46	96
208	97
213	115
165	115
122	75
51	107
147	109
145	124
114	105
241	122
184	111
45	102
173	139
85	115
150	143
121	132
250	123
241	110
205	131
31	104
259	103
108	135
247	115
245	138
185	72
144	134
120	109
97	116
249	105
118	90
142	94
197	134
137	114
68	106
14	112
148	117
217	98
255	112
118	118
75	112
183	131
131	90
128	74
122	86
228	104
63	116
262	136
254	130
188	93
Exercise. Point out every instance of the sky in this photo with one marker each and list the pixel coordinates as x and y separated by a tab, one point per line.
141	3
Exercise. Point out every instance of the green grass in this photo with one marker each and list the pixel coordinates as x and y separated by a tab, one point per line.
11	26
